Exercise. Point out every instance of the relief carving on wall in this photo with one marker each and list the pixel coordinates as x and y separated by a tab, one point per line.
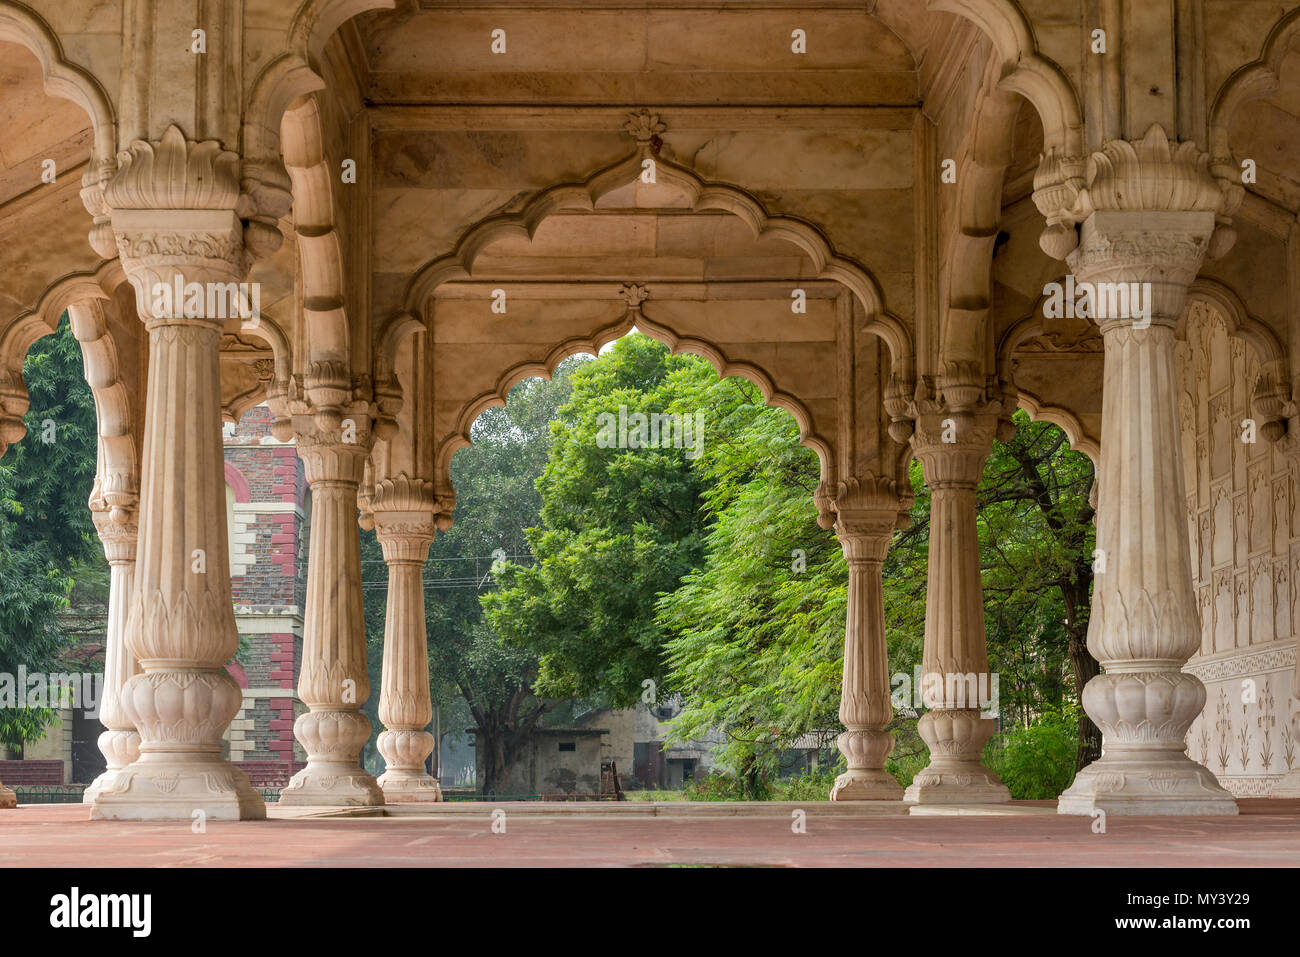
1245	562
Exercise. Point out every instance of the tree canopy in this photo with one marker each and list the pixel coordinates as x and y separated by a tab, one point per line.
618	527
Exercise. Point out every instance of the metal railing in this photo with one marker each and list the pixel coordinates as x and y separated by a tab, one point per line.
74	793
450	795
49	793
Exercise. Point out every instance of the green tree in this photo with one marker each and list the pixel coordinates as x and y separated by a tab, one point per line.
749	593
758	629
46	534
618	527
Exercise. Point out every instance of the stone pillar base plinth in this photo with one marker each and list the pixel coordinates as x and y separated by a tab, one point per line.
409	786
972	784
866	785
956	774
332	784
110	780
1146	783
172	786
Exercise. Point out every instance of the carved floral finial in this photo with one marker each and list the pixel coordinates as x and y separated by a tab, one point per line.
634	294
645	128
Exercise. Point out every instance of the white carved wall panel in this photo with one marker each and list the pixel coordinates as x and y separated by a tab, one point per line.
1245	540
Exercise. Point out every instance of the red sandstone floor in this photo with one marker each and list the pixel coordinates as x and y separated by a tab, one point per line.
1265	834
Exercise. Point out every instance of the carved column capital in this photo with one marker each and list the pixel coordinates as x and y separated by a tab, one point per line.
867	510
336	455
118	528
1148	175
952	446
1119	248
174	210
403	511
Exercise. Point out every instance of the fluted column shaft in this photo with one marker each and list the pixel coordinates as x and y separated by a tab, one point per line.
181	625
119	742
334	682
405	705
1144	624
955	680
865	706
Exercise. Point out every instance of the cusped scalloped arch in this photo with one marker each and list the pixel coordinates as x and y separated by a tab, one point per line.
82	296
704	197
979	212
320	250
63	78
1066	421
544	367
1241	324
1254	81
293	73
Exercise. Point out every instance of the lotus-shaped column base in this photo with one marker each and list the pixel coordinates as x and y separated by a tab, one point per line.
956	774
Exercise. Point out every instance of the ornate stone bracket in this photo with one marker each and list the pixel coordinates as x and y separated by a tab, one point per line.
1272	402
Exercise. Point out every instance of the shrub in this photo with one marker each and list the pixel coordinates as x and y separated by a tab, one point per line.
1037	762
807	787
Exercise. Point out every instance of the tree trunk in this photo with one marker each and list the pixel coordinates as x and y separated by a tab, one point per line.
1085	668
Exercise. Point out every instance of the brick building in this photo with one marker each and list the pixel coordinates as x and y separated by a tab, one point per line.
268	515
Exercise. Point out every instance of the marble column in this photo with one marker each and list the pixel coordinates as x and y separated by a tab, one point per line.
119	742
955	679
866	515
173	214
334	682
405	705
1144	622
